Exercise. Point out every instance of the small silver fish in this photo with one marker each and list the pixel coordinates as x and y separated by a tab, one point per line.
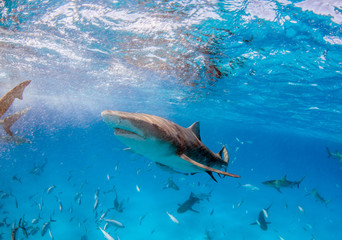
50	189
107	236
172	218
96	204
115	223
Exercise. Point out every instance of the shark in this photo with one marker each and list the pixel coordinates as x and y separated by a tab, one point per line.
187	205
263	214
335	155
171	184
318	197
5	103
283	182
167	143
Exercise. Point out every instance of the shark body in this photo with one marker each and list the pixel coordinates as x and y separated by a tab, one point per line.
261	221
166	143
318	197
282	183
187	205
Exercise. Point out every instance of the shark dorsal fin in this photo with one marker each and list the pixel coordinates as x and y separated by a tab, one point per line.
195	128
284	178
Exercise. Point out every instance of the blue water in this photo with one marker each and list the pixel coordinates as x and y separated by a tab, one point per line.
262	77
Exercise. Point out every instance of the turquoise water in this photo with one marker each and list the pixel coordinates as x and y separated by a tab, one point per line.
262	77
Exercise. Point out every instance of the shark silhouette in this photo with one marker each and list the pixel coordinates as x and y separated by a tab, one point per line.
167	143
6	102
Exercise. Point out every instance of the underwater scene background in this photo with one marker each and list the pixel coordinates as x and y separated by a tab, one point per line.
262	77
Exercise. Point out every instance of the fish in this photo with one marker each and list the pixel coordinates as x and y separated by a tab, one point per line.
15	178
165	142
96	204
118	206
84	237
107	236
96	196
142	218
16	202
50	234
103	215
240	203
78	196
60	204
5	195
15	229
261	221
173	219
10	120
37	170
46	226
50	189
7	100
36	220
171	184
34	230
115	223
249	187
283	182
70	176
318	197
187	205
335	155
301	209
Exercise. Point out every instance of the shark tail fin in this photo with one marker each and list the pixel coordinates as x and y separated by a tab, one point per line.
300	181
268	208
10	120
329	152
326	202
19	89
223	154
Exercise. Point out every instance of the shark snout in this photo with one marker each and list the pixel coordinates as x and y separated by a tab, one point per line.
112	118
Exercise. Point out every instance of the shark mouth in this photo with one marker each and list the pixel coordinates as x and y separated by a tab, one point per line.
127	134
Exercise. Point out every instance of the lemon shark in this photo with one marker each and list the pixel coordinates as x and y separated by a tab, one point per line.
6	102
166	142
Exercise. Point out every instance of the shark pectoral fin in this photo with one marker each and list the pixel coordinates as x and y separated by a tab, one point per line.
194	210
10	120
186	158
278	189
19	89
253	223
211	175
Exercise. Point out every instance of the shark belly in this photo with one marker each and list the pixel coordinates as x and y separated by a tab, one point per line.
158	151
